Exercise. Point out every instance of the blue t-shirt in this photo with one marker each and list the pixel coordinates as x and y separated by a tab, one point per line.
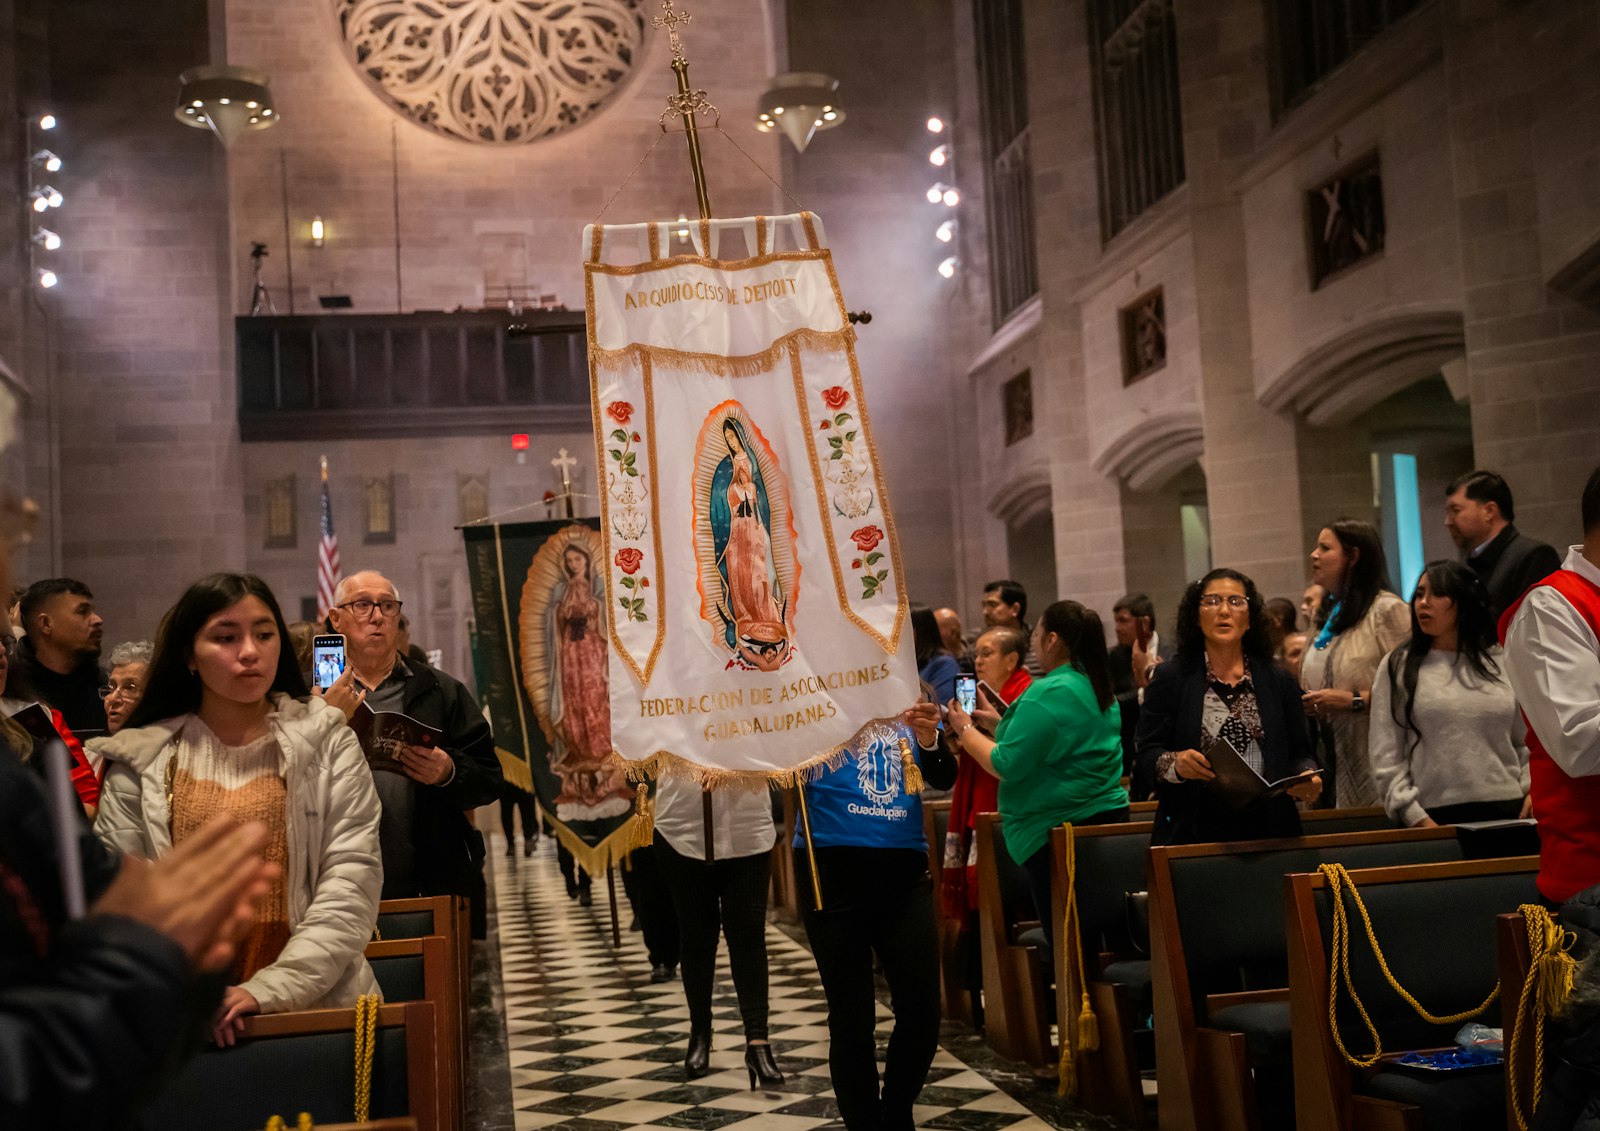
863	803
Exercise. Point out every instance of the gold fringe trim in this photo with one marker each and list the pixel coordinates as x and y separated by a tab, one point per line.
908	765
747	365
613	851
515	770
665	763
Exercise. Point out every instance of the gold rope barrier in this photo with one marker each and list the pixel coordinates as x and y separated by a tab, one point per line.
1546	988
366	1043
1088	1023
1339	968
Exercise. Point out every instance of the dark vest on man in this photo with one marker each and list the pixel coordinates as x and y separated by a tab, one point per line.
1512	564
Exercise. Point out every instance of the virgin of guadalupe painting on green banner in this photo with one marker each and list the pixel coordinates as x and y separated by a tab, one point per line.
540	648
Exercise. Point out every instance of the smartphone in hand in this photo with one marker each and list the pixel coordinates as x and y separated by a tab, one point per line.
327	660
967	693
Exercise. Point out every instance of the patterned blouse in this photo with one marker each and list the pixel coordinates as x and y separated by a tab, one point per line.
1229	711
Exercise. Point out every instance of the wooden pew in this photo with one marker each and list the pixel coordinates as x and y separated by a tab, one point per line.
448	917
403	1123
1016	982
1219	962
1436	924
286	1063
1111	862
1326	822
955	998
422	970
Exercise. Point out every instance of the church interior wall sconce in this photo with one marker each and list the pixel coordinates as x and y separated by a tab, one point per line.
800	104
319	231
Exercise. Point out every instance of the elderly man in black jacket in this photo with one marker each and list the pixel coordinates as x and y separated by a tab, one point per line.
429	844
1480	515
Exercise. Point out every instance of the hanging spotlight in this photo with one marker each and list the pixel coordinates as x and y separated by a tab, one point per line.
937	192
45	197
225	100
936	125
51	163
951	198
47	122
47	239
799	103
940	156
683	230
946	231
948	267
47	278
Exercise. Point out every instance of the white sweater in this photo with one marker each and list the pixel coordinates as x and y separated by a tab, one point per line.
1473	745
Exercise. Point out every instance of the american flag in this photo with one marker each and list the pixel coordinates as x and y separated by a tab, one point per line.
328	573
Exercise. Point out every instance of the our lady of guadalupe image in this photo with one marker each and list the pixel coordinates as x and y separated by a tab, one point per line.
749	590
564	653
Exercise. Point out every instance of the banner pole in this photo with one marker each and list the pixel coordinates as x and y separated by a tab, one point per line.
611	886
811	852
685	104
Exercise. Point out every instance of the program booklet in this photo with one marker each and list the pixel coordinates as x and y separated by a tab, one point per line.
1237	785
35	719
382	733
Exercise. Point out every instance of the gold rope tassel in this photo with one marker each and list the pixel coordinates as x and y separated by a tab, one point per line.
642	827
1544	992
1338	879
1088	1023
304	1123
366	1044
908	763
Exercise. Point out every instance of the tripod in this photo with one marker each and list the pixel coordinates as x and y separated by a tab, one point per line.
260	297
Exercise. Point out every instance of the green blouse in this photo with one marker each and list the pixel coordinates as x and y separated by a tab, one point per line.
1059	758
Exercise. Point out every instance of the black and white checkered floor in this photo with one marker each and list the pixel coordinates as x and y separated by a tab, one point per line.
594	1046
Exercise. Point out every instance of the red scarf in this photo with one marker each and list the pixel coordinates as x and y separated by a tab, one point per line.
976	791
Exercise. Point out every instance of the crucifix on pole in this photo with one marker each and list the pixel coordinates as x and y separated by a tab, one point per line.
686	103
564	464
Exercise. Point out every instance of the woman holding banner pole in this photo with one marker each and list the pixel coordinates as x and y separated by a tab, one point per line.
872	896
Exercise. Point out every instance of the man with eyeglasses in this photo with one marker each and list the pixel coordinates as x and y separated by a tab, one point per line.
429	845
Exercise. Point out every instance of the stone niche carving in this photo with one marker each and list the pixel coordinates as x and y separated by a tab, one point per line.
1344	219
1017	404
494	71
1143	327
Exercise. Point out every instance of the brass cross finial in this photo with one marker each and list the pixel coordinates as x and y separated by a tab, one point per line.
670	18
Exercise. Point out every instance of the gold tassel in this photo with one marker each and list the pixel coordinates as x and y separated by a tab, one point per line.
642	829
304	1122
1088	1023
913	772
1088	1027
276	1124
1067	1073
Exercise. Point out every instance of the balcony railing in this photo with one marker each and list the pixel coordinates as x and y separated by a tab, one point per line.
349	376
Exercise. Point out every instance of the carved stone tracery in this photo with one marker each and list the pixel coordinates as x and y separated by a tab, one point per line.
494	71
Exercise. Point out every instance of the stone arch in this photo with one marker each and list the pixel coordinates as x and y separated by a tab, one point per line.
1022	497
1151	450
1348	372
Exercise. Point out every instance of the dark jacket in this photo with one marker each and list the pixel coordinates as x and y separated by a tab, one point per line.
110	1006
1510	565
76	695
449	851
1170	720
1127	692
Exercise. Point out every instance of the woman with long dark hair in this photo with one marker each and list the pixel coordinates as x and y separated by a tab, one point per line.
1222	684
937	667
1058	750
1360	621
1447	741
226	726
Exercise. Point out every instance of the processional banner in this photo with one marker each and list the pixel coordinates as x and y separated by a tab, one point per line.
759	615
539	647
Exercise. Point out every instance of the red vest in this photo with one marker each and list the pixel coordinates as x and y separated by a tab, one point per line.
1568	808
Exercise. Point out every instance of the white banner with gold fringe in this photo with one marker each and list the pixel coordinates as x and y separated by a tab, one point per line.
759	615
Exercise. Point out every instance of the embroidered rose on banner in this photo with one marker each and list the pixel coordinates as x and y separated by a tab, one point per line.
836	397
629	559
867	538
620	411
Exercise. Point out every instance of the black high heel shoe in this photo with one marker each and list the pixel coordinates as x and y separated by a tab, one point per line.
762	1068
697	1061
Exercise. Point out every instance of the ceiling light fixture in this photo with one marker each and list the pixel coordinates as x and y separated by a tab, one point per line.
948	267
799	103
225	100
940	156
47	239
946	231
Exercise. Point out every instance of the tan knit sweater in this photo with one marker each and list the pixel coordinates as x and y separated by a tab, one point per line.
246	782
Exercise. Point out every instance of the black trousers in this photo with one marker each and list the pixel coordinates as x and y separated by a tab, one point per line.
647	892
1038	868
577	879
512	801
875	902
727	897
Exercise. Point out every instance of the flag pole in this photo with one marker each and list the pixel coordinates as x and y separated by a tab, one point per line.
686	104
324	470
